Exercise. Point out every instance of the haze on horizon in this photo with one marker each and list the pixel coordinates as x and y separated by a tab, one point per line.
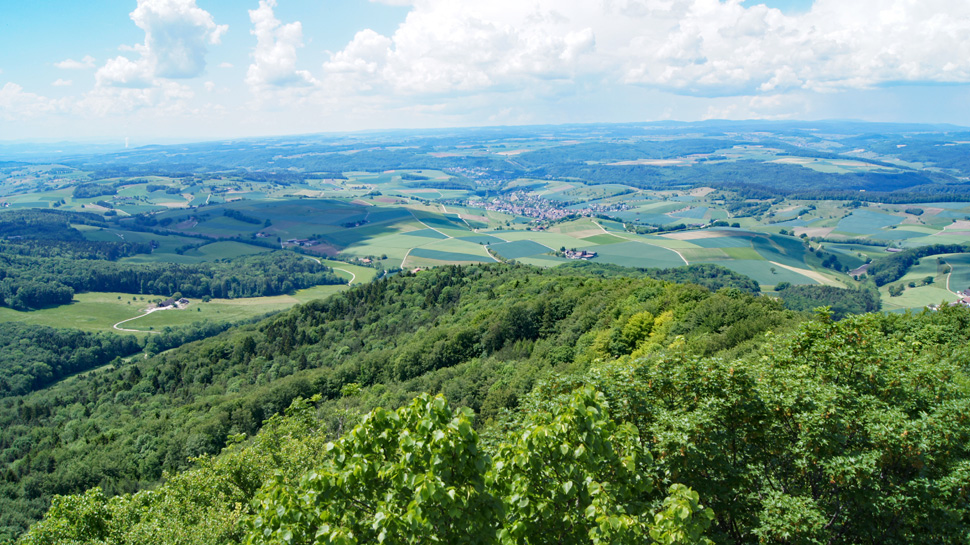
196	69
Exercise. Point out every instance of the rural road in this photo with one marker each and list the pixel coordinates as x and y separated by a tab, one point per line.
352	275
146	313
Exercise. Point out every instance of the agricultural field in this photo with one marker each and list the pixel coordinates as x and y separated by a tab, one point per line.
631	196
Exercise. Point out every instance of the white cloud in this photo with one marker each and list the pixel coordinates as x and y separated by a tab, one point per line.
274	58
463	46
59	82
693	47
163	98
176	36
70	64
15	103
123	72
225	65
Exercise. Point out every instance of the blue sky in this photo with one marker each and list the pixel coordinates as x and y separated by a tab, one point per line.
191	69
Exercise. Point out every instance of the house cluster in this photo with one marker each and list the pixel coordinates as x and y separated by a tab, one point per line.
171	302
302	242
964	300
580	254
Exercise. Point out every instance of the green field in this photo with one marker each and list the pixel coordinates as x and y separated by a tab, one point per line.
445	256
100	311
960	275
765	273
636	254
866	222
519	249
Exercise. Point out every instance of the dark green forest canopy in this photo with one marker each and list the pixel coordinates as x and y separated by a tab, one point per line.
837	432
483	335
31	282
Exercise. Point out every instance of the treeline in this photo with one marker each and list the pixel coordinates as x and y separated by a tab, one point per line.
483	335
842	302
273	273
893	267
32	357
713	277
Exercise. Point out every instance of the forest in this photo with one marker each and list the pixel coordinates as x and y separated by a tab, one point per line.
595	408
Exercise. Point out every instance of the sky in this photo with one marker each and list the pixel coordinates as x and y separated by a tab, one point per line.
155	70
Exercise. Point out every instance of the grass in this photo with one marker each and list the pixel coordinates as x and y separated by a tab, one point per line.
604	239
960	277
761	271
866	222
519	249
225	250
449	257
636	254
99	311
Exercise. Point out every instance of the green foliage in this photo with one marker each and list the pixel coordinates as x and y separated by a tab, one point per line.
894	266
450	330
29	282
204	505
418	475
846	432
32	357
407	476
843	302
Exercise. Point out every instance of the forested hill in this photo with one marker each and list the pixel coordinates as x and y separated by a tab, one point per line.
483	335
28	282
592	402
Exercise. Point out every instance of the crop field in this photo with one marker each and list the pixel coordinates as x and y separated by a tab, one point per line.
482	239
960	274
765	273
604	239
866	222
519	249
636	254
443	257
225	250
784	250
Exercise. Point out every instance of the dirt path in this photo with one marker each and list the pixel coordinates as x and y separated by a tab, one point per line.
142	315
820	278
352	275
427	226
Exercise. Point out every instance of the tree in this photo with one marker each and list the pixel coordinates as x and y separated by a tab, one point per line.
418	475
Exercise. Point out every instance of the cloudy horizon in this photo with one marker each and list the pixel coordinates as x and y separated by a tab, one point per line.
155	70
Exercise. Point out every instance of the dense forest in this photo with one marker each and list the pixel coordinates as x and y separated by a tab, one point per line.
448	330
31	357
33	282
842	302
620	422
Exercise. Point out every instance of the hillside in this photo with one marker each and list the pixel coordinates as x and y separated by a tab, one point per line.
481	335
829	432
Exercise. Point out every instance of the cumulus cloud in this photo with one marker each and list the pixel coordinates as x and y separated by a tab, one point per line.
59	82
274	58
714	48
177	35
464	46
70	64
165	97
691	47
16	103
